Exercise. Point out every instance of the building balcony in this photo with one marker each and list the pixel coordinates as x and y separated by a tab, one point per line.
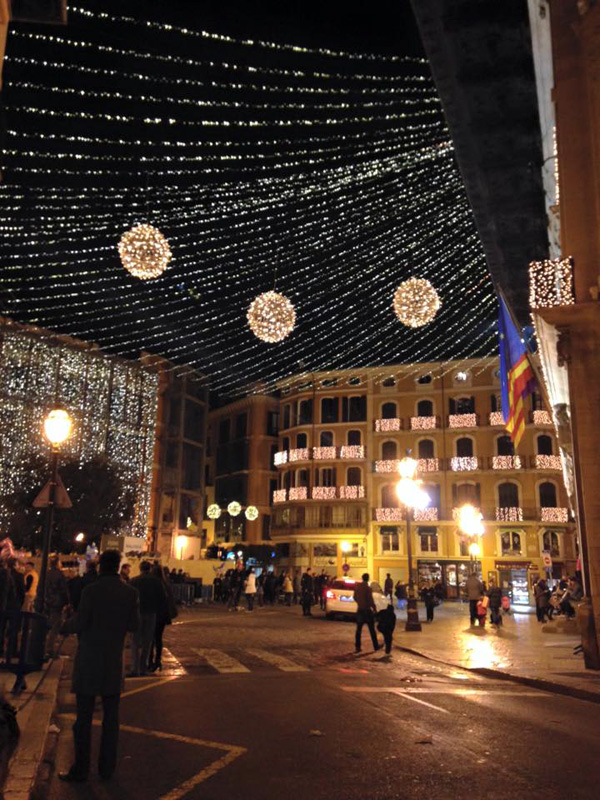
324	453
464	463
431	514
428	465
300	454
280	458
509	514
496	419
506	462
298	493
388	514
280	495
323	493
387	425
352	492
463	420
542	418
547	462
387	465
352	451
554	514
424	423
319	493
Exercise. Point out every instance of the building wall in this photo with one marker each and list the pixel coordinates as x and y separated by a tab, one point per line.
241	467
367	518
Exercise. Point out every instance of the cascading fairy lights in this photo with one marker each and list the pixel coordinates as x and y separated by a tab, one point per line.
144	252
326	171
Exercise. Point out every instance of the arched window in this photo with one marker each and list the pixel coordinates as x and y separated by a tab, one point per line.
462	405
389	451
426	448
301	440
544	445
466	493
354	437
464	447
354	476
552	543
326	476
547	492
389	411
303	477
304	412
389	498
288	479
504	446
434	493
389	382
424	408
424	379
329	410
326	439
286	416
285	445
508	495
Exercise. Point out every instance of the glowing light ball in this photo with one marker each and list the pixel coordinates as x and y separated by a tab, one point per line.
271	317
213	511
144	252
416	302
251	513
234	508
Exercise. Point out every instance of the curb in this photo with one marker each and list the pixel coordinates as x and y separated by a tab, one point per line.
34	722
535	683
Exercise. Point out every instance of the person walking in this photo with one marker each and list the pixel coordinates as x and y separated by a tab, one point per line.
107	611
31	583
307	585
388	586
164	616
152	604
540	593
236	585
288	589
429	598
386	622
250	589
474	592
363	597
495	595
57	598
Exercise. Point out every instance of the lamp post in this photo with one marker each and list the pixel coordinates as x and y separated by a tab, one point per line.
345	547
57	429
470	522
412	496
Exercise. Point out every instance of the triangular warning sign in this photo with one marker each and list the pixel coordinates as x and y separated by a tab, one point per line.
61	496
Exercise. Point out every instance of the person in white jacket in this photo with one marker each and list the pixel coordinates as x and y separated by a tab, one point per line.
288	589
250	589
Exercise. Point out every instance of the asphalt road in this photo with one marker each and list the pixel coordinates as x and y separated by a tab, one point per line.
269	705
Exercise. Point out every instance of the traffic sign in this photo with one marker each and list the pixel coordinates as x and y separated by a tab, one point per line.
547	559
345	567
61	496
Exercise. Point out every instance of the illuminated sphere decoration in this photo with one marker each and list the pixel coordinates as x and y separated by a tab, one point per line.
144	252
416	302
213	511
251	513
234	508
271	317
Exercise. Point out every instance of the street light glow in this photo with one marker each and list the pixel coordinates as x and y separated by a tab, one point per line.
410	494
408	468
345	547
57	426
80	537
470	520
474	550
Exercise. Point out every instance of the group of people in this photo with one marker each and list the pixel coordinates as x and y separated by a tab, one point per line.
482	599
266	588
560	599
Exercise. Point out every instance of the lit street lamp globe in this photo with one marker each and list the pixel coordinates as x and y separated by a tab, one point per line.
213	511
144	252
271	317
346	547
416	302
234	508
251	513
57	426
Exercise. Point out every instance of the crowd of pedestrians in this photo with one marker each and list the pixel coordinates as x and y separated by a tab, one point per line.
560	599
265	587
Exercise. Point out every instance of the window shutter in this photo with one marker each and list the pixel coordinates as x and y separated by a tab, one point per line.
472	405
452	405
344	409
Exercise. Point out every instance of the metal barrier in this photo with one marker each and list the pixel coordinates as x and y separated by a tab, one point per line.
22	644
184	593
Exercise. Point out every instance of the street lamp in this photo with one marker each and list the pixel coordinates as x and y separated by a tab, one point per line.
57	429
345	547
470	522
80	537
180	544
411	495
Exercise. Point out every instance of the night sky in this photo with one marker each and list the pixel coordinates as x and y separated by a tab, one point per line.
331	174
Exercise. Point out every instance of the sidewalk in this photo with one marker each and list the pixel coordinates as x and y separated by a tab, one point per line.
35	709
522	649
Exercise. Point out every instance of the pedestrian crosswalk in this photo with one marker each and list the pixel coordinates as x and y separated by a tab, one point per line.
245	661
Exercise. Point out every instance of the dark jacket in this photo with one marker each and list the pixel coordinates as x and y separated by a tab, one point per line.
495	595
77	585
17	598
386	620
428	596
57	592
308	584
363	596
153	599
108	610
388	586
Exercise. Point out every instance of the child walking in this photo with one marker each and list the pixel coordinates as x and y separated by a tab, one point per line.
386	622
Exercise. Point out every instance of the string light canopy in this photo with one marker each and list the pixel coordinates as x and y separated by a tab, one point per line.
144	252
416	302
334	165
271	317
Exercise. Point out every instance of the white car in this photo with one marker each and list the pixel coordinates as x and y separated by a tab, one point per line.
339	597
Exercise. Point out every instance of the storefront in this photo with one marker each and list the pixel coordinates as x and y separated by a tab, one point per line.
452	574
514	580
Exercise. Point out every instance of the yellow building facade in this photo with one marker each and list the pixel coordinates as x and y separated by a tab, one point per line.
341	437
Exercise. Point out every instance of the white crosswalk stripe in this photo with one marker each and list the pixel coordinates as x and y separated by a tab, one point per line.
282	663
220	660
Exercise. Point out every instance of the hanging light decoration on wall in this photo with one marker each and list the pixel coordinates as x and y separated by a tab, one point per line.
144	252
213	511
234	508
416	302
251	513
271	317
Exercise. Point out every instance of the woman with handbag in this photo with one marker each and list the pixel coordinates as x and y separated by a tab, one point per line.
164	617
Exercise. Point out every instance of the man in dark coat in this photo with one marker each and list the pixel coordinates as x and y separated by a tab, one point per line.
363	597
108	610
57	597
307	586
153	604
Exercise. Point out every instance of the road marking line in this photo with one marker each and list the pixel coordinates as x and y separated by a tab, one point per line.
149	686
220	660
457	691
396	691
401	693
282	663
232	752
